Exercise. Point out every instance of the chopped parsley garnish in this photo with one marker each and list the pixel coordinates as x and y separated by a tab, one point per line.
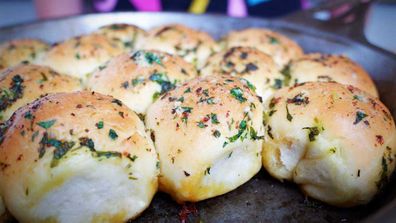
201	124
237	93
28	115
108	154
156	95
133	158
113	135
188	90
61	147
85	141
313	132
116	101
78	56
250	85
241	130
152	58
273	40
47	124
163	81
207	171
299	99
278	83
286	74
288	115
253	134
99	125
359	117
213	118
9	96
216	134
137	81
250	67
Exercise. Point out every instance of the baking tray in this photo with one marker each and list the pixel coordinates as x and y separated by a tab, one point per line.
262	199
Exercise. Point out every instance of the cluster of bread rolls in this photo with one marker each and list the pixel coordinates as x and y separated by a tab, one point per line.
93	126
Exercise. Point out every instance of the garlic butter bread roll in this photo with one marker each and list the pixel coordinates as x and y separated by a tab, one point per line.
127	36
250	64
192	45
139	78
335	141
208	135
325	67
23	84
279	47
80	56
77	157
17	51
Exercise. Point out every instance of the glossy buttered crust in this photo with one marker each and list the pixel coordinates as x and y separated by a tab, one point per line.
208	137
17	51
23	84
80	56
335	141
140	77
192	45
127	36
279	47
249	63
325	67
77	157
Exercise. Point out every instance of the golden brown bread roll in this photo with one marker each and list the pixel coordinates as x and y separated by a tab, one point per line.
192	45
140	77
325	67
335	141
208	135
77	157
23	84
127	36
279	47
80	56
248	63
17	51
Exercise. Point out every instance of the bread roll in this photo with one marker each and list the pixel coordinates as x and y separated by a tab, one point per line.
23	84
208	135
80	56
17	51
140	77
77	157
250	64
127	36
281	48
193	45
325	67
335	141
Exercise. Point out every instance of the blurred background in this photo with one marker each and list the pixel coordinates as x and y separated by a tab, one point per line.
380	24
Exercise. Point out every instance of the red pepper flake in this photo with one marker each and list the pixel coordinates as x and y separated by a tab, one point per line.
187	209
227	114
205	119
198	91
79	106
380	139
350	88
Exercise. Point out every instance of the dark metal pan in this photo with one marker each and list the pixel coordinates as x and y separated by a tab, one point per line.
262	199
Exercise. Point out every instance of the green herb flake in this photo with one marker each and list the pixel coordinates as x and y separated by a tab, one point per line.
273	40
85	141
288	115
201	124
313	132
216	134
137	81
99	125
359	117
133	158
108	154
213	118
112	134
188	90
47	124
237	93
250	85
207	171
28	115
152	58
